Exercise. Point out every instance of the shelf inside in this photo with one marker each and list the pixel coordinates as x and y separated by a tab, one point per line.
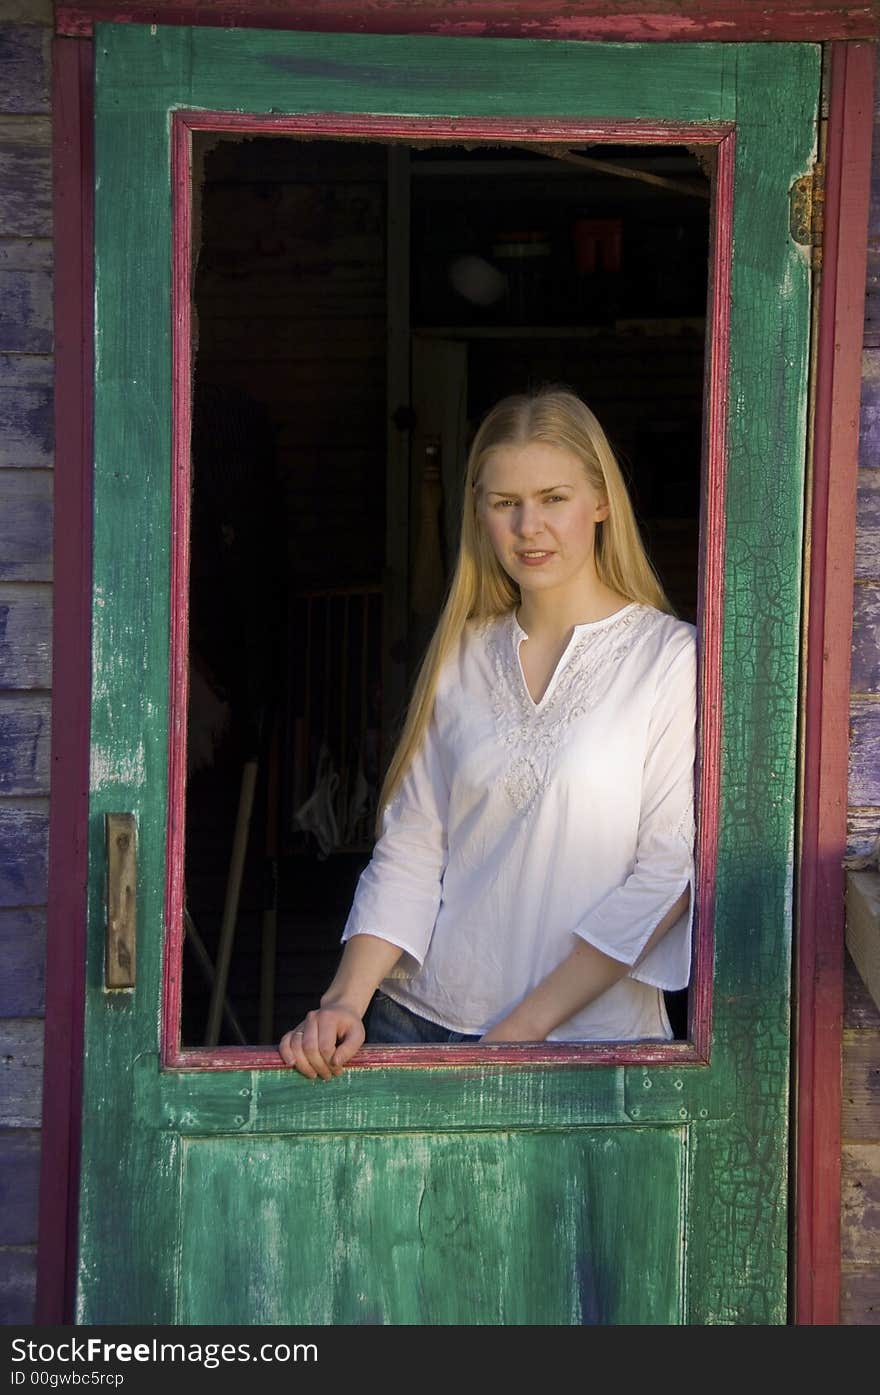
655	328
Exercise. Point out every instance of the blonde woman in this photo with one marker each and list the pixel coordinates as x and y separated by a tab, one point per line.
533	876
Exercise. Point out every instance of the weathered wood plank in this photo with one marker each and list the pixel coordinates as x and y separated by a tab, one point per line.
26	296
859	1295
21	1073
23	955
869	413
863	926
864	751
26	525
18	1283
25	724
24	838
25	634
867	566
862	830
860	1203
26	425
860	1108
29	11
861	1013
865	674
25	178
19	1185
872	288
24	62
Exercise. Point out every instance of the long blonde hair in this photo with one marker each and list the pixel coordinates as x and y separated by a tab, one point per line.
480	588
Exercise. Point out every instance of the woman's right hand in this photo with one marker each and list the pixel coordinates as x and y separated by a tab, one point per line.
323	1043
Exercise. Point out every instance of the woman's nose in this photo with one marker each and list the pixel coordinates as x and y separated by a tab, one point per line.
529	519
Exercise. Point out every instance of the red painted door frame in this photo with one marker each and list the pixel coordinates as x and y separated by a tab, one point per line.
828	576
827	641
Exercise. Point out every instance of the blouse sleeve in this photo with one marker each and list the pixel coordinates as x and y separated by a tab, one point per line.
622	924
398	893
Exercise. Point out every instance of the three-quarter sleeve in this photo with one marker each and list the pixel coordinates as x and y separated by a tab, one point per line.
398	893
623	922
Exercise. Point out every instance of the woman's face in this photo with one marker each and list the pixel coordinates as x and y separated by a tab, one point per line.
540	512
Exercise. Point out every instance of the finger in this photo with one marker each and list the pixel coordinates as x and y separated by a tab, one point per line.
330	1032
311	1048
292	1053
300	1059
350	1043
286	1048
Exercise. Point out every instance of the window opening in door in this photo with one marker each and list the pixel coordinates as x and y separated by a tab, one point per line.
583	266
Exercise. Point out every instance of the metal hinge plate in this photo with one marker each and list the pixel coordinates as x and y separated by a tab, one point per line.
807	211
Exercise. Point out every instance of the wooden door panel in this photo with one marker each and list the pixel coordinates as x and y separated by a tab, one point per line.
460	1228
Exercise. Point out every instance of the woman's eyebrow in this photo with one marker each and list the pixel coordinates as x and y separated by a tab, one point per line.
509	493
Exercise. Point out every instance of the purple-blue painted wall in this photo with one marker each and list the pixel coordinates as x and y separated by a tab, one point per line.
25	622
864	751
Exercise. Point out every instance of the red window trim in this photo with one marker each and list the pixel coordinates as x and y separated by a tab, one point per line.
618	20
710	604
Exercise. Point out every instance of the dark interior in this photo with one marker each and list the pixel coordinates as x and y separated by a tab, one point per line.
358	306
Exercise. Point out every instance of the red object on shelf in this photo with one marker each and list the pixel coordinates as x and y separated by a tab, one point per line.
598	244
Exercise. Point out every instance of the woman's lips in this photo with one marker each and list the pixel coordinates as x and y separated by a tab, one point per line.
533	559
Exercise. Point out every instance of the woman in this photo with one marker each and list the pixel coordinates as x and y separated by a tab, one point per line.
533	878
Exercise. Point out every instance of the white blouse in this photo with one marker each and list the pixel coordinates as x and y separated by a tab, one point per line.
520	824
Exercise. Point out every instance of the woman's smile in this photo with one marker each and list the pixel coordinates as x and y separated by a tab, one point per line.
534	559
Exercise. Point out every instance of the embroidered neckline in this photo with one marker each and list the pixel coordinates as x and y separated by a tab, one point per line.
533	732
588	626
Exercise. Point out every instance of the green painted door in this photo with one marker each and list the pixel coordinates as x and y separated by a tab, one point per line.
615	1192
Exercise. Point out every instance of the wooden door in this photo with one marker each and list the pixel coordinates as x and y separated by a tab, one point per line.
547	1184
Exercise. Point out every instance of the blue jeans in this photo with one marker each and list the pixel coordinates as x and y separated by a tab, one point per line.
390	1023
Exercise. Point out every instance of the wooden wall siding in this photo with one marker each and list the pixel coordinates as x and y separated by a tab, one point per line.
860	1156
867	562
860	1116
19	1155
25	171
21	1072
870	409
23	851
863	816
19	1176
24	744
864	751
23	955
24	61
26	526
26	296
25	407
25	624
866	627
25	635
27	11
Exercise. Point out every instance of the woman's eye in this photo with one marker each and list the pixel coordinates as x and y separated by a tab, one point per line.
502	503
